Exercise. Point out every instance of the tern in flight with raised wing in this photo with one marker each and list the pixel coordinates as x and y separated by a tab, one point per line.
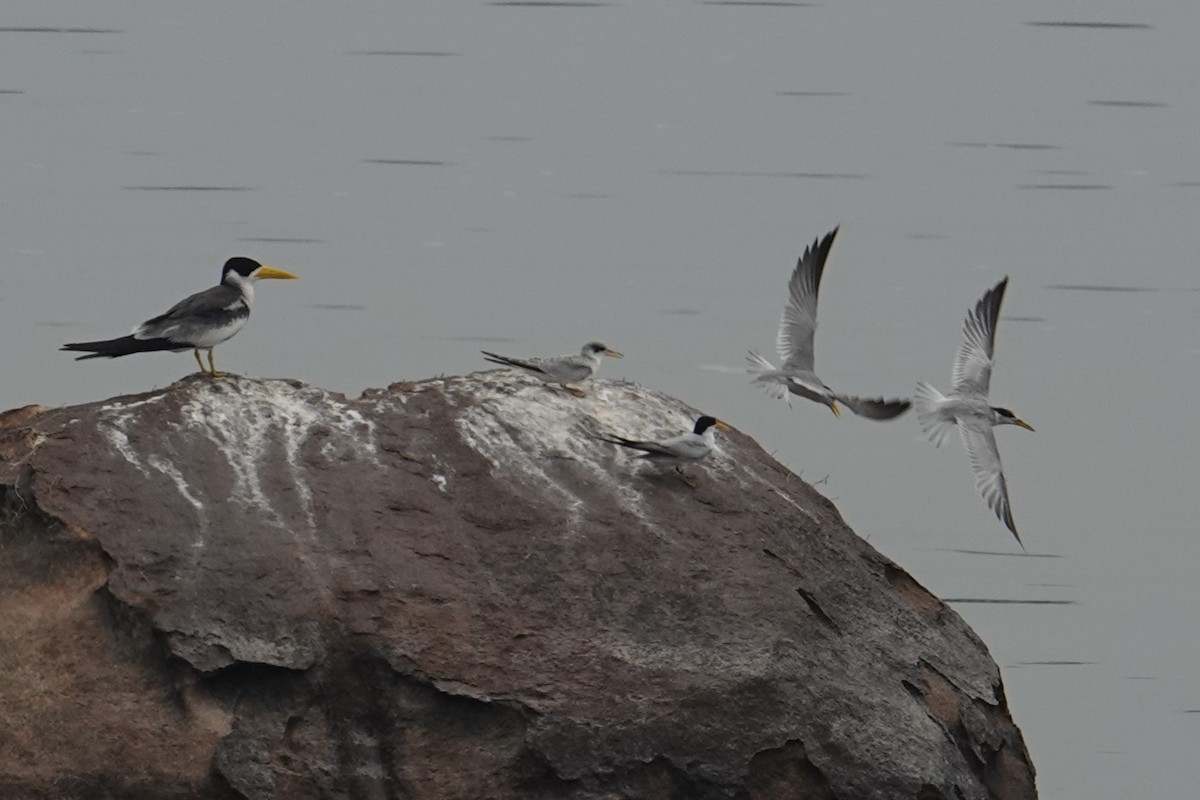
794	344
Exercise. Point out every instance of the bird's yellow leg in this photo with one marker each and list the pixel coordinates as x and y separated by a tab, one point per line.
574	391
837	412
196	353
212	366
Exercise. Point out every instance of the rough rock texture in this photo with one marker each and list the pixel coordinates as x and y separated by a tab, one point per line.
259	589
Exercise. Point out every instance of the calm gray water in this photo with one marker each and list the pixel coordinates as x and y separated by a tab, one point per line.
523	177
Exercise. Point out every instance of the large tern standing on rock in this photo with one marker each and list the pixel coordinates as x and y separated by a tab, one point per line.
794	344
678	451
563	370
967	405
199	322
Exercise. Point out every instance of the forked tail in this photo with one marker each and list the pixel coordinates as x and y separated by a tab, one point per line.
766	376
927	404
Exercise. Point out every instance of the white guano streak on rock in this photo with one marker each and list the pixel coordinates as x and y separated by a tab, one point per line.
490	429
521	424
117	435
167	468
241	420
115	419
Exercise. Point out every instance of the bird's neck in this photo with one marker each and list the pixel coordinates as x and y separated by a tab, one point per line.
243	285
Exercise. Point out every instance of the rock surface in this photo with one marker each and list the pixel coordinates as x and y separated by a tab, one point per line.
259	589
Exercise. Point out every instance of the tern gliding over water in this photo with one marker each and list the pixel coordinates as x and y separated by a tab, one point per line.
198	322
562	370
794	344
967	405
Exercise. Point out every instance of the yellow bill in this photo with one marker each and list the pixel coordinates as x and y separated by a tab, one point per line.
270	272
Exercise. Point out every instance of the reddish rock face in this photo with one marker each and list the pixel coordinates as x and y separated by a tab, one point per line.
448	590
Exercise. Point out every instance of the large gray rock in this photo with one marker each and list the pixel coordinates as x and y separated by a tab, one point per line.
446	590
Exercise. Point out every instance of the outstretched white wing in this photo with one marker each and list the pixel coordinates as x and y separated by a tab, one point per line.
980	441
794	342
973	363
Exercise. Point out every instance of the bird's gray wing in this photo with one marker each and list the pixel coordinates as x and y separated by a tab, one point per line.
973	363
980	441
215	307
874	408
685	445
564	369
794	342
568	369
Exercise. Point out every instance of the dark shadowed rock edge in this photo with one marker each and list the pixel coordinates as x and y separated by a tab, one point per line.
259	589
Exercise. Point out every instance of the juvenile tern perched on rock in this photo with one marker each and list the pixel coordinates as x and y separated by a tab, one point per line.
967	405
678	451
199	322
563	370
794	344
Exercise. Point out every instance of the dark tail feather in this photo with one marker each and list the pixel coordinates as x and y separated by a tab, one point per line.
505	361
599	437
498	359
114	348
648	448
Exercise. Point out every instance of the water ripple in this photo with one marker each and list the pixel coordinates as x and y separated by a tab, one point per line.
1128	103
404	162
1112	26
1070	187
59	30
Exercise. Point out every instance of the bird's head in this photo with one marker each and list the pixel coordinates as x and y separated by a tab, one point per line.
597	349
1006	417
240	269
706	422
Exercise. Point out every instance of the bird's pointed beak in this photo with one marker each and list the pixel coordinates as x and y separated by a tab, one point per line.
613	353
721	426
1023	424
837	412
270	272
